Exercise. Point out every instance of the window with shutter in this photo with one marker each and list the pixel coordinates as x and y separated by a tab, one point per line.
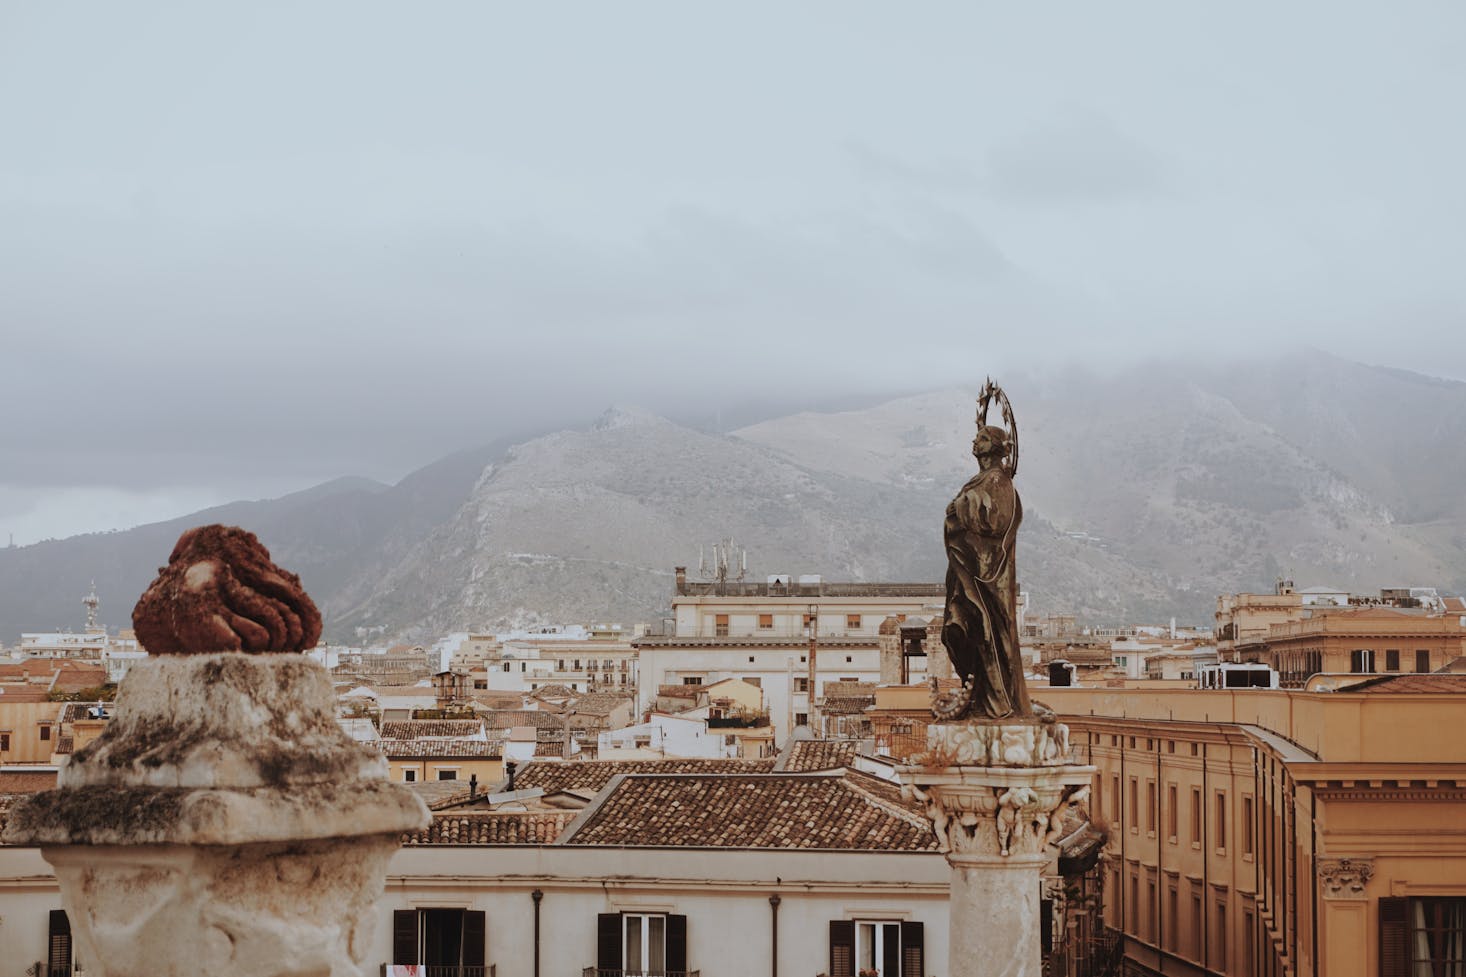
842	948
1394	942
58	954
475	938
913	962
404	936
608	941
676	944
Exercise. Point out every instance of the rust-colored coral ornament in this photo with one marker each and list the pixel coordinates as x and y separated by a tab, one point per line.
221	592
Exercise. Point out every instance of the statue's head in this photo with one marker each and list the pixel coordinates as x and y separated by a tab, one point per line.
991	442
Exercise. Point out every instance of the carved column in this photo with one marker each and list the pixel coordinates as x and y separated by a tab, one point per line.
996	794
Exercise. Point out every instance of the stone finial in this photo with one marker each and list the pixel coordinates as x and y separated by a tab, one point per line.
221	592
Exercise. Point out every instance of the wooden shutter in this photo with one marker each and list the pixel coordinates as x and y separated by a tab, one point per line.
913	949
59	949
1394	937
608	941
404	936
475	938
842	948
677	944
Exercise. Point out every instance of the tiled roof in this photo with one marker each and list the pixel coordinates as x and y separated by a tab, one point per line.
553	692
846	705
510	718
592	775
820	811
73	711
1428	682
678	691
599	703
411	729
438	748
492	829
807	756
65	744
26	781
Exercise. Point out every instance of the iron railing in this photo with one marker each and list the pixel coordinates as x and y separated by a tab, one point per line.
443	970
598	972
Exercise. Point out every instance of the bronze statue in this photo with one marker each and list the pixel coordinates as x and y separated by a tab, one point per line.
980	627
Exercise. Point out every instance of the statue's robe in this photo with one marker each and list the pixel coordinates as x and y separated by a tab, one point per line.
980	627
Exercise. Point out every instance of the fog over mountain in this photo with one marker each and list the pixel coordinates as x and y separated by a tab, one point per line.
1146	494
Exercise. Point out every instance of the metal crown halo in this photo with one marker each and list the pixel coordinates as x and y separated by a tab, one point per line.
989	391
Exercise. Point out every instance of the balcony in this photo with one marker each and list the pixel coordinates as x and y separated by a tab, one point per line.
436	970
739	720
598	972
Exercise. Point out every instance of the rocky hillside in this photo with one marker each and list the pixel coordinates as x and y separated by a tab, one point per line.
1146	495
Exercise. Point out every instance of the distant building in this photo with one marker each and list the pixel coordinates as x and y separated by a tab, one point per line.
759	632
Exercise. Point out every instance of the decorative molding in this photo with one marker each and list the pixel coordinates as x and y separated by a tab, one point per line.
1345	878
998	811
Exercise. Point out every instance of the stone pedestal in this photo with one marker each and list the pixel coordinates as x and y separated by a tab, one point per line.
997	794
222	824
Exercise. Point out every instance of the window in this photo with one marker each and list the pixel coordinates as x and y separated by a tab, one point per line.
506	668
1422	936
45	732
801	683
409	776
692	680
58	951
1150	805
1171	816
1361	661
641	943
720	625
483	683
766	622
447	774
1246	825
1196	816
852	622
849	659
1134	804
885	947
1392	659
1173	910
1115	798
1220	961
1422	660
4	742
1194	944
1220	827
801	719
439	938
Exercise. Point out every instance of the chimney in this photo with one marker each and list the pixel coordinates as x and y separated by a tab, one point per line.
472	786
681	579
509	768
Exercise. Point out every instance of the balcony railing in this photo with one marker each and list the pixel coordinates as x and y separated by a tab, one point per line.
436	970
598	972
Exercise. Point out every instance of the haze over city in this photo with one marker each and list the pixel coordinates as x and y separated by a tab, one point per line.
245	251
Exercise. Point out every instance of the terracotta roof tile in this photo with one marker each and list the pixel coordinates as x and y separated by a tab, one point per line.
592	775
492	829
511	718
437	748
411	729
26	781
807	756
811	811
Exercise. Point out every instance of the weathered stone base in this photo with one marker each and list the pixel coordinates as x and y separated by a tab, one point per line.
301	909
995	916
221	825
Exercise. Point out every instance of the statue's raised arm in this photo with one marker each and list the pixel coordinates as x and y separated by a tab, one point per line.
980	628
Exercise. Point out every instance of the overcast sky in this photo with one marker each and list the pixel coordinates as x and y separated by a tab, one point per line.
245	248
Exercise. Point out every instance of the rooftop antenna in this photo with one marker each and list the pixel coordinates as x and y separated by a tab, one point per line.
725	566
91	602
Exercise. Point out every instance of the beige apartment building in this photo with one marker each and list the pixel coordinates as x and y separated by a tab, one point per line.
1259	833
